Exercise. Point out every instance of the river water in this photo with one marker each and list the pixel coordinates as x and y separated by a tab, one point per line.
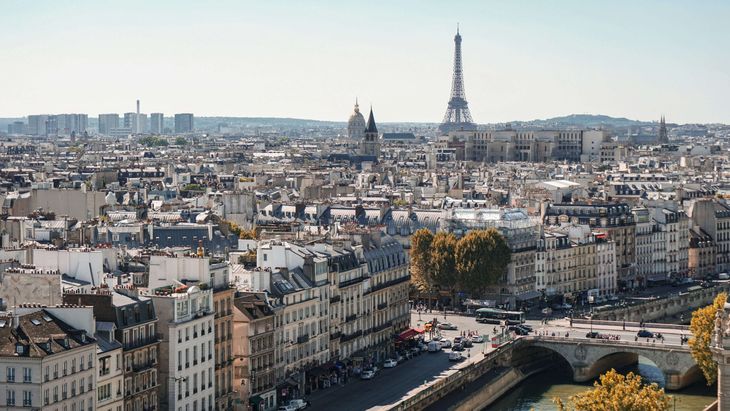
538	391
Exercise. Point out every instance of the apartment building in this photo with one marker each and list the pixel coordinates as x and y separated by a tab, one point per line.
521	232
47	363
110	366
136	328
615	220
254	350
701	254
713	217
186	349
167	269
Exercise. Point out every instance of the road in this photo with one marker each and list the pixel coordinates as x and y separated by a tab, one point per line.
390	385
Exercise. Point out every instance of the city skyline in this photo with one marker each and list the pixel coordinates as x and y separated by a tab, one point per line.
521	62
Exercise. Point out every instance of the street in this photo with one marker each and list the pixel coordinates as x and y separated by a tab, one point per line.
391	384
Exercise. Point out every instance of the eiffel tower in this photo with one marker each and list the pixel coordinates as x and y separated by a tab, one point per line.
457	115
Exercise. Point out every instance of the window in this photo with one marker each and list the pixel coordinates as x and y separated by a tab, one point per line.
45	397
26	374
11	374
27	398
10	397
64	391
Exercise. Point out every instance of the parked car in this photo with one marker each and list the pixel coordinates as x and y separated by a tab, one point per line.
434	346
478	339
447	326
298	404
527	327
286	408
399	358
367	375
467	343
390	363
458	340
593	334
445	343
455	356
457	347
415	351
723	276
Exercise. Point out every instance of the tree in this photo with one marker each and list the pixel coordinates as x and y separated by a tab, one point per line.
420	255
443	261
617	392
482	257
181	141
702	327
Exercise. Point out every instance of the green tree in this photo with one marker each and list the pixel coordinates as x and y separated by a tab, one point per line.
420	255
181	141
443	261
702	327
617	392
482	257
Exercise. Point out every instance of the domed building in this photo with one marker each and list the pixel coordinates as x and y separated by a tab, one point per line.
356	125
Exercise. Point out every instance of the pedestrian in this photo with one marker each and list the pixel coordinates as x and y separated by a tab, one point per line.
624	325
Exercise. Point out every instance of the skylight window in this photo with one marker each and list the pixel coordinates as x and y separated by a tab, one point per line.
35	322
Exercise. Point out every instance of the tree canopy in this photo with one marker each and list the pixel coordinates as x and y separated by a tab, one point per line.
420	255
443	261
482	257
617	392
702	327
475	261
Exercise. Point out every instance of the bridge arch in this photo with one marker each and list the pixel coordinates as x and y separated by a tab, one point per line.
588	359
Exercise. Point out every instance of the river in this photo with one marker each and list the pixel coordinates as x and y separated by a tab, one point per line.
538	391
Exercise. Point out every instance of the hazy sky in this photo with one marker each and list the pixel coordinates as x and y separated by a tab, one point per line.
310	59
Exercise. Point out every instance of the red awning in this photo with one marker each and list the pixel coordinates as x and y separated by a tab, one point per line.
409	333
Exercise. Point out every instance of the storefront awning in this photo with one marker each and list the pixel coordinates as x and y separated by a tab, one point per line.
409	333
255	400
529	295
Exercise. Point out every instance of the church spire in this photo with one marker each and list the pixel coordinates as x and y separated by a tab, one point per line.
371	127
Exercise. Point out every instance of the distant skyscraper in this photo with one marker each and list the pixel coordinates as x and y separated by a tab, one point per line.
70	123
37	124
107	122
663	137
17	127
457	115
157	123
137	123
184	123
356	124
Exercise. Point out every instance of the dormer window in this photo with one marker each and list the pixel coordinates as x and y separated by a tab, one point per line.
19	349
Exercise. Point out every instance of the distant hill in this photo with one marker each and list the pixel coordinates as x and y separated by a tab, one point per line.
582	121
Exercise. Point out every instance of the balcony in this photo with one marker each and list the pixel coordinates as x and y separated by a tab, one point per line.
382	306
335	336
335	299
348	337
382	327
143	366
141	342
302	338
350	318
348	283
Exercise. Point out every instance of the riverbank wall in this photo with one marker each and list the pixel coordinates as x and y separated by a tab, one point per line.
457	381
663	307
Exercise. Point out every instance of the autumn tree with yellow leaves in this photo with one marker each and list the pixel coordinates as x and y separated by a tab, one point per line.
702	327
617	392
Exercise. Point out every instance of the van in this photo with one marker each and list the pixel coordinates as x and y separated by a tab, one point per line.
434	346
723	276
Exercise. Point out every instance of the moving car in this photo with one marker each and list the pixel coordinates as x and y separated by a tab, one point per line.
445	343
286	408
519	330
447	326
647	334
455	356
593	334
367	375
478	339
390	363
467	343
457	347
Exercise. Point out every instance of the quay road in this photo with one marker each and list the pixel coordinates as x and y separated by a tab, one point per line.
391	384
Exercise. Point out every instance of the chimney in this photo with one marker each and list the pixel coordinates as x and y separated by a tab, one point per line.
137	107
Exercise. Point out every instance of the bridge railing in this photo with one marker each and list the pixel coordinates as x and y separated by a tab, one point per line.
634	324
599	341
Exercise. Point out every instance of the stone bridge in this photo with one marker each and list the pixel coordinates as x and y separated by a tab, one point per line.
589	358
